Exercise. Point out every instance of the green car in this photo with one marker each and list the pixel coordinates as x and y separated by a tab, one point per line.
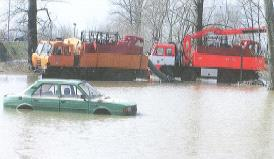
67	95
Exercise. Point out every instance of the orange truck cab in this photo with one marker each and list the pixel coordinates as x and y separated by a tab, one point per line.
51	51
62	55
40	56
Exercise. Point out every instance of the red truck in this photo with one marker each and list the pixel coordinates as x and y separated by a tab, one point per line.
212	53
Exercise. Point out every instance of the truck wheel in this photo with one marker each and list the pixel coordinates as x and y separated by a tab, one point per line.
188	75
167	70
228	76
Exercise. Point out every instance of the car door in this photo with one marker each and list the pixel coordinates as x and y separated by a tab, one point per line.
70	99
46	96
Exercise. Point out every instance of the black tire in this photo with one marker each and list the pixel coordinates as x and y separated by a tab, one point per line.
102	112
228	76
24	107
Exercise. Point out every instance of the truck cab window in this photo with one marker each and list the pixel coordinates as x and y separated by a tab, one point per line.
66	51
46	49
168	52
159	52
57	50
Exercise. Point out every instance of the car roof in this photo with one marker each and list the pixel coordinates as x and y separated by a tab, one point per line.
60	81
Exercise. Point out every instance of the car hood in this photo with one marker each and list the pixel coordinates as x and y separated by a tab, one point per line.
107	99
12	95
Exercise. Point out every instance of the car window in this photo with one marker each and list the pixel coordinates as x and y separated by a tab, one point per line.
46	90
70	91
90	90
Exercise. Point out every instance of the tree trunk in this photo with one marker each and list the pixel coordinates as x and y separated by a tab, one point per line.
199	18
32	28
138	30
170	33
270	34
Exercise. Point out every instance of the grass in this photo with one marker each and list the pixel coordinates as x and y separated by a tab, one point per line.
14	57
14	51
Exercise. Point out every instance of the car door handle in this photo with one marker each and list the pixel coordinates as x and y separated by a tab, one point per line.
35	100
62	101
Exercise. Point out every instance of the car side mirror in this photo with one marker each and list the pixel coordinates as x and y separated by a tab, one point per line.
84	97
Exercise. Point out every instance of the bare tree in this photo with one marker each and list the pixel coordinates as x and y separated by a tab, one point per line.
173	16
155	14
32	28
25	20
63	31
185	22
130	12
269	14
199	8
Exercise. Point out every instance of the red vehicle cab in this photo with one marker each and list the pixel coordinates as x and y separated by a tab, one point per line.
163	54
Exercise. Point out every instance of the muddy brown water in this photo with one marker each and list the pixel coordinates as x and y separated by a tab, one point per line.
180	120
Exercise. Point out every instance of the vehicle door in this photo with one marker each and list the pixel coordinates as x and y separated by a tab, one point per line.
70	99
169	58
46	96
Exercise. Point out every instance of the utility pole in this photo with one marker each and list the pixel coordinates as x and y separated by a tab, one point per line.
74	24
269	14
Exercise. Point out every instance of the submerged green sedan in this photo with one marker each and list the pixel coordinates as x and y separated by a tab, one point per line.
67	95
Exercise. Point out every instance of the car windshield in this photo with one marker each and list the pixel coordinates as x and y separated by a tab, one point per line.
90	90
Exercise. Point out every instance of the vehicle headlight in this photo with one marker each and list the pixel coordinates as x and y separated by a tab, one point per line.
127	110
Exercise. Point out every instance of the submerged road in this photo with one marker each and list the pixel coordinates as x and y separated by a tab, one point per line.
175	120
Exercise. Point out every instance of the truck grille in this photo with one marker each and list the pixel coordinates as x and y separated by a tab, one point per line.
39	62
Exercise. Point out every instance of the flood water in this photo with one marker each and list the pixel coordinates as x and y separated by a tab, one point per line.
174	121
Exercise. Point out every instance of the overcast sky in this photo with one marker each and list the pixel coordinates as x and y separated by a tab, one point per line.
85	13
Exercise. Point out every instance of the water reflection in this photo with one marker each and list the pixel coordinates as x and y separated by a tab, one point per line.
178	120
263	132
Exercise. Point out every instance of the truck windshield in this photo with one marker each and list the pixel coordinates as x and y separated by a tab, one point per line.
39	48
90	90
43	49
46	49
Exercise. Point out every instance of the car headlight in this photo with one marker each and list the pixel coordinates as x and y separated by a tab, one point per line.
127	110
